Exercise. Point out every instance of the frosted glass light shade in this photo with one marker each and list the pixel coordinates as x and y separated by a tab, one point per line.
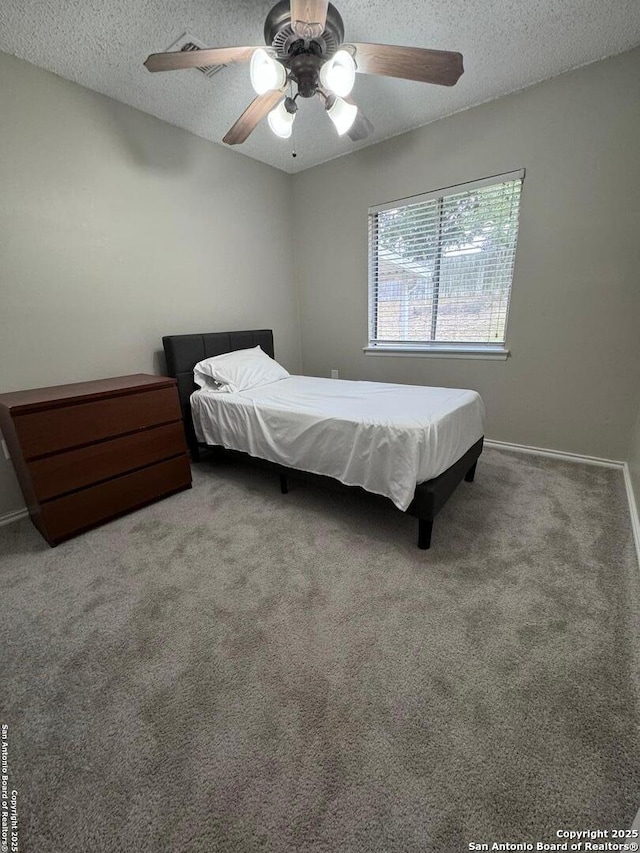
342	115
266	73
281	121
338	74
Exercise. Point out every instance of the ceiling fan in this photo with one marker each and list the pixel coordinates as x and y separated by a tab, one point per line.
305	47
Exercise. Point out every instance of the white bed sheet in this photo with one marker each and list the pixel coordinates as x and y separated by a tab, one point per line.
385	438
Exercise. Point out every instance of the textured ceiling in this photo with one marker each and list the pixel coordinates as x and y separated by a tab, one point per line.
507	45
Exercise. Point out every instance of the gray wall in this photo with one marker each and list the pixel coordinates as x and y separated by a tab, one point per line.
571	381
116	228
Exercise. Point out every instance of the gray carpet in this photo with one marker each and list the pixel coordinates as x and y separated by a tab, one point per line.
236	670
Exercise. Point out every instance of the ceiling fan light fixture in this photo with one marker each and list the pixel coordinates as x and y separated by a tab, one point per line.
338	74
304	45
266	72
342	114
281	121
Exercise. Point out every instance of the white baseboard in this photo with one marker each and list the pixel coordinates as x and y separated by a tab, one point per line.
554	454
16	515
633	509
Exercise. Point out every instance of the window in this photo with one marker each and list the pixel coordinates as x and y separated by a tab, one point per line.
441	268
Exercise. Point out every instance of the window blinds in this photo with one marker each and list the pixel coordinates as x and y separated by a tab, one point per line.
441	265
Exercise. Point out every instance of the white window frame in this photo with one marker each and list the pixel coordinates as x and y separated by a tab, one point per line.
431	349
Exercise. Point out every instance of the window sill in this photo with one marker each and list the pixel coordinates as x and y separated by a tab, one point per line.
490	353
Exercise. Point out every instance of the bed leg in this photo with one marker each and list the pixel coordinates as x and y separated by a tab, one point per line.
195	452
471	473
425	526
284	485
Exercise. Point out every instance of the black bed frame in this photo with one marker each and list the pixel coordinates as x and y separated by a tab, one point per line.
183	352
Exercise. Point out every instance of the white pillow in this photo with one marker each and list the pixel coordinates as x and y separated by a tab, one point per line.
207	383
238	371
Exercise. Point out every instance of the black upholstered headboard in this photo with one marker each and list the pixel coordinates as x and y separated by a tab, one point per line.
183	352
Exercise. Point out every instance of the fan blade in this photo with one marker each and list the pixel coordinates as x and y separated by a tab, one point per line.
361	127
308	17
252	116
410	63
177	59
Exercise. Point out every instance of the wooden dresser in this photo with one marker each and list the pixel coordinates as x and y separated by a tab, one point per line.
91	451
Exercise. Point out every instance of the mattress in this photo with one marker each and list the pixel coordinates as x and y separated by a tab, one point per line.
383	437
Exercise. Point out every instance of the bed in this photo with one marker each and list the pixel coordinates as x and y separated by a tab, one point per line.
326	414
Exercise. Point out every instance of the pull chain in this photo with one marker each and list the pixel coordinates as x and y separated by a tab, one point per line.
293	128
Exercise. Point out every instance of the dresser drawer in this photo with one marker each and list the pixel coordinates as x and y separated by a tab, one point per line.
74	469
51	430
63	517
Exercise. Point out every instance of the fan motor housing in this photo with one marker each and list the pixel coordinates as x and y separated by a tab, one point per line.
279	34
